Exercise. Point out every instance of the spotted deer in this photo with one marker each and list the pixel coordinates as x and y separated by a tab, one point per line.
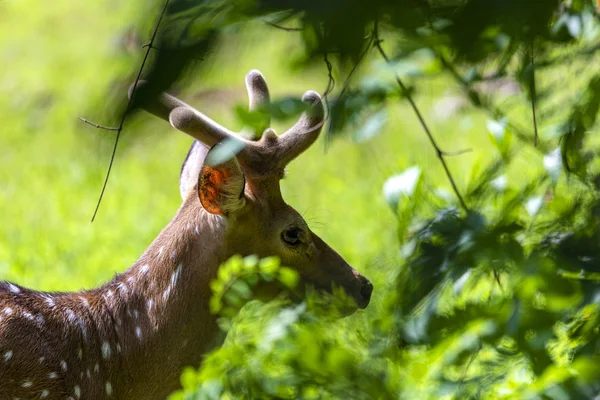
131	337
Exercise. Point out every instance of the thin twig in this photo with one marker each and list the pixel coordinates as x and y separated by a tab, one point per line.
119	129
283	28
456	153
406	93
532	93
479	101
347	82
471	359
106	128
330	82
355	66
149	45
497	278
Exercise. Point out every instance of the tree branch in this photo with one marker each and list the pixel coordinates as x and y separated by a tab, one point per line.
283	28
532	93
406	93
106	128
149	46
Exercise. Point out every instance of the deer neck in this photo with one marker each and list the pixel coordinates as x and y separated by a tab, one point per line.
160	306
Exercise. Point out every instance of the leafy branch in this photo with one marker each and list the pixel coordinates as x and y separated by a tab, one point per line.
440	154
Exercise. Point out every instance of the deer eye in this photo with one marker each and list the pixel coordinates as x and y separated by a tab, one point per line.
292	236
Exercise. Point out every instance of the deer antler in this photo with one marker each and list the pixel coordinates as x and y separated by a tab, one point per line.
264	157
183	117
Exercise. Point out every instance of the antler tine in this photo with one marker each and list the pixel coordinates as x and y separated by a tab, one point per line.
199	126
184	117
304	133
258	94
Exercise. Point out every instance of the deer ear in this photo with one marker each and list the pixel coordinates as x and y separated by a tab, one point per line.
221	185
190	170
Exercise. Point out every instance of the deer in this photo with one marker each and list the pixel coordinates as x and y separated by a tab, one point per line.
131	337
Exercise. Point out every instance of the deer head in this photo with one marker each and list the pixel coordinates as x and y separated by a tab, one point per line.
243	188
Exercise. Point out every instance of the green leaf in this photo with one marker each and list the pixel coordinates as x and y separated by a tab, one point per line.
501	136
287	107
288	277
533	205
241	289
188	378
269	265
372	126
257	120
553	164
401	185
251	261
224	151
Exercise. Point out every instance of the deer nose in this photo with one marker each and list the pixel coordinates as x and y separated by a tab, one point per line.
365	292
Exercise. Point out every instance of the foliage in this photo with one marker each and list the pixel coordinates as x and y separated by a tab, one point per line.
501	304
497	294
498	300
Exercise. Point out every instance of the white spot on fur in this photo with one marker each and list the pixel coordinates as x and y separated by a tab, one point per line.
63	365
8	355
8	311
105	350
27	383
28	315
49	301
84	301
149	304
40	319
52	375
44	394
175	276
73	318
138	332
197	230
70	315
108	388
173	254
80	353
14	289
96	368
159	252
144	269
167	293
88	373
77	391
118	348
41	359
